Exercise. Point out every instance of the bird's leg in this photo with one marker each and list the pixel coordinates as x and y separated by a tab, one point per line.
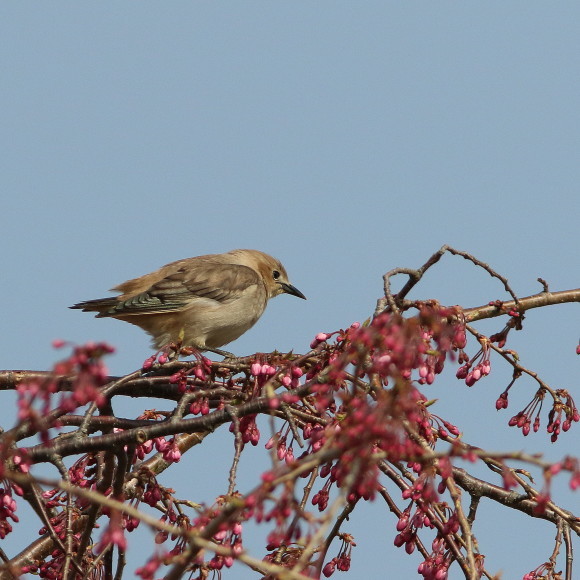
197	351
172	351
173	355
228	356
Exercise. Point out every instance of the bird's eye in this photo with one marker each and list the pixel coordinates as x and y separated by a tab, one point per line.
275	274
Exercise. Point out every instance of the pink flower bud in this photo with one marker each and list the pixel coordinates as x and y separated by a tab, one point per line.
329	569
402	522
460	339
398	541
281	451
469	380
502	402
320	337
268	370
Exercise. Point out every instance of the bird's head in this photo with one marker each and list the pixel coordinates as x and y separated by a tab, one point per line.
272	271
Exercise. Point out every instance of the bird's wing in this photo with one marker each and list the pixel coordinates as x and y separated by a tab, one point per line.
217	282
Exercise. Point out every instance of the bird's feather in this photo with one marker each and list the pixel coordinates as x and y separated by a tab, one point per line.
219	282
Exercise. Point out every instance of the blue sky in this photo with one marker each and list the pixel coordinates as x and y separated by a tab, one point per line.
345	138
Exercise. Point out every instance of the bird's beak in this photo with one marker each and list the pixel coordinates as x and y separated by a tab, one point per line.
289	289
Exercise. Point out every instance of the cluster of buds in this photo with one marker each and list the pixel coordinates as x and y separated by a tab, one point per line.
7	511
423	490
565	406
408	525
229	536
288	377
52	568
201	371
560	418
86	364
248	430
436	565
320	498
475	368
342	560
545	570
262	372
284	452
168	449
171	352
523	419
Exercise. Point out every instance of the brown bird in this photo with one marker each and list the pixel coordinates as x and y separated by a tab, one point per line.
203	302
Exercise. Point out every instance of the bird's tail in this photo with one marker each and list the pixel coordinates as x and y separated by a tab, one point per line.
104	306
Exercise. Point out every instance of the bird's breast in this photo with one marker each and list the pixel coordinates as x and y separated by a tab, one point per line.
214	324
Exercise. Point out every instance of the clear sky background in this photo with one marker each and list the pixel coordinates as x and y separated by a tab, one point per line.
345	138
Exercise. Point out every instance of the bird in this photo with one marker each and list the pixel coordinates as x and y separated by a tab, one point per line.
203	302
